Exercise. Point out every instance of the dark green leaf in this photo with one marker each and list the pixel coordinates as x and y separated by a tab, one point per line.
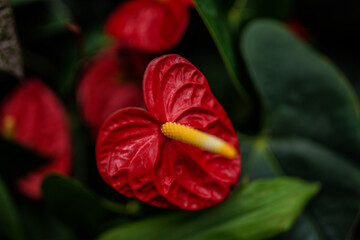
260	210
10	54
10	227
50	18
279	9
16	161
77	206
58	16
215	15
223	20
95	40
21	2
311	128
39	224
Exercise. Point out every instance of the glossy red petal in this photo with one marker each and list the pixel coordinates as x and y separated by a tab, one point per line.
111	83
136	159
184	183
149	25
40	124
127	149
176	91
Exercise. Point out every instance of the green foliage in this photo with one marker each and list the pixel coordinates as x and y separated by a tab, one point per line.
77	206
258	211
224	20
16	160
21	2
278	9
214	14
217	15
310	126
10	226
39	223
310	121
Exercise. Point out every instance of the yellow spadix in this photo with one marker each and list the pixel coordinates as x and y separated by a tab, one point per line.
198	139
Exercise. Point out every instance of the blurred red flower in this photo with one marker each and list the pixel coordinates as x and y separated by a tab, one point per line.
149	25
188	2
138	160
111	82
33	117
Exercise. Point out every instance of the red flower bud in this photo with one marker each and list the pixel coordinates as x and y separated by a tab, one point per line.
136	156
111	82
32	116
149	25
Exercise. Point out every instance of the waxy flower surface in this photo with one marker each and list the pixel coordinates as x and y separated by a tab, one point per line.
33	117
112	81
182	152
149	25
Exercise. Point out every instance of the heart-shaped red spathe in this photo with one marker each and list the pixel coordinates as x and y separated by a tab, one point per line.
149	25
40	124
111	82
137	160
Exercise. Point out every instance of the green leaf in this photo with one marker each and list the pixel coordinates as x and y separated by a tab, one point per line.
39	224
10	227
260	210
223	20
22	2
51	18
77	206
215	15
10	53
279	9
311	128
58	15
16	161
95	40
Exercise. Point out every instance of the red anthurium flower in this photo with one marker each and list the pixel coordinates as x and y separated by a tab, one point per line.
32	116
149	25
112	81
182	152
188	2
